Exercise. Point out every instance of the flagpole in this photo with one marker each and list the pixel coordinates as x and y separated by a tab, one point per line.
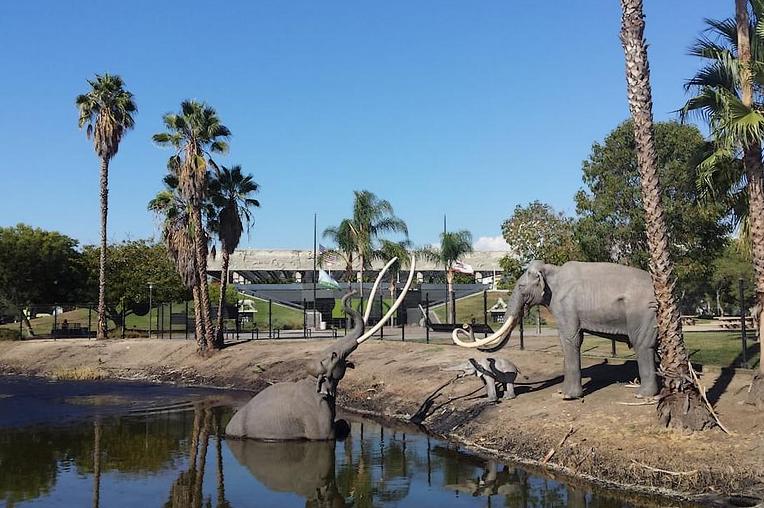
315	273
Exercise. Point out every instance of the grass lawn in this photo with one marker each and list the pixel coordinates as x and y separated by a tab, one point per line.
471	307
339	312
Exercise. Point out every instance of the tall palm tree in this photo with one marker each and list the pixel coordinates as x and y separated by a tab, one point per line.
231	193
729	92
177	236
680	403
106	111
195	133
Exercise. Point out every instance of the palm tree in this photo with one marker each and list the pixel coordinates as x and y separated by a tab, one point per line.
178	238
680	403
729	90
342	237
453	247
371	218
106	111
389	250
230	193
195	133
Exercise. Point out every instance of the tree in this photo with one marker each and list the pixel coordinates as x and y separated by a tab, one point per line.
680	404
177	236
538	232
231	193
130	266
195	133
729	268
730	88
453	247
611	225
39	267
106	111
372	217
389	250
342	237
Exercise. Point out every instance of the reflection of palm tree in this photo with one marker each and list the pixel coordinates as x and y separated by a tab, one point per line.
186	491
221	502
96	463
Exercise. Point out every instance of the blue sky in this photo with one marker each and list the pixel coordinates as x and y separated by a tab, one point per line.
464	108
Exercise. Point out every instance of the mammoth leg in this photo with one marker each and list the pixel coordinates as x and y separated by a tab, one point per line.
509	391
648	382
490	386
571	350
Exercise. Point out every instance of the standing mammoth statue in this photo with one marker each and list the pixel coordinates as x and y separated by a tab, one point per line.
604	299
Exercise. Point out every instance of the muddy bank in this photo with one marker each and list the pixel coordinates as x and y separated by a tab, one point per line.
604	436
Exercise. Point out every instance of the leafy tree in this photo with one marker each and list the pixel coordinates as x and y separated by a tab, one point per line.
538	232
680	404
106	111
342	237
231	194
38	266
729	268
612	227
195	133
130	266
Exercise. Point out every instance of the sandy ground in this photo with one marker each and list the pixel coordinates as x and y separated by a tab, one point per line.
603	438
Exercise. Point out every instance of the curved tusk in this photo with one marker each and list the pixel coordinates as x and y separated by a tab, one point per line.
374	289
395	306
491	339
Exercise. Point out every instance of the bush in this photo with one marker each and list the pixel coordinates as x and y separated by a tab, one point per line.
9	334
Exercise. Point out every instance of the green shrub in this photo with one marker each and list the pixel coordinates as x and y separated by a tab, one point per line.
8	334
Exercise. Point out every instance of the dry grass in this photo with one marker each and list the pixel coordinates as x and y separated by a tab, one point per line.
79	374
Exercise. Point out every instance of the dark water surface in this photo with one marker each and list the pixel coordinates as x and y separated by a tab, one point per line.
135	445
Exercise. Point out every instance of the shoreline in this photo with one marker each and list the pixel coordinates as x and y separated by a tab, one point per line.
596	440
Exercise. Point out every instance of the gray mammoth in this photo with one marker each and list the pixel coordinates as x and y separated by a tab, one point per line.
306	409
604	299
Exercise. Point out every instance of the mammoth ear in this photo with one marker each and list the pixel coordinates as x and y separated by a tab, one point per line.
315	368
537	272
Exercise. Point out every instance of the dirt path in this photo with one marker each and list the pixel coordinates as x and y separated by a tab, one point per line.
611	440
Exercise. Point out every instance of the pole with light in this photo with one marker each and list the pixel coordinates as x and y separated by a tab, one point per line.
151	289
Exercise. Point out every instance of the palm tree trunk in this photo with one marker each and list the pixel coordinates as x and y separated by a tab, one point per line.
361	284
97	463
450	308
198	326
755	172
221	301
680	404
200	248
101	330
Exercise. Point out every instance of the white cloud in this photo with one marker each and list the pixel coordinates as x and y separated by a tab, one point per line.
491	243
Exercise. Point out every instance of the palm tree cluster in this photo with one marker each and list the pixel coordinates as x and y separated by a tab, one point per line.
729	95
201	202
358	239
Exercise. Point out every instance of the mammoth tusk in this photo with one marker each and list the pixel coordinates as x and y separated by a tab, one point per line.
491	339
374	289
395	306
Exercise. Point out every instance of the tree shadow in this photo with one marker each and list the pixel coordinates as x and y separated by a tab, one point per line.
728	373
428	407
600	376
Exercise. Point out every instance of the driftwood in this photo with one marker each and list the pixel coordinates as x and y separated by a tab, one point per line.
552	451
665	471
644	403
702	390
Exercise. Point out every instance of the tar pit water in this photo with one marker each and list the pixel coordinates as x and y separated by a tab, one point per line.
108	444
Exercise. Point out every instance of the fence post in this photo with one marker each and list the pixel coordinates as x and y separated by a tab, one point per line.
485	311
381	315
304	318
55	321
453	307
90	321
270	318
186	320
21	322
171	325
124	316
743	332
161	326
522	331
157	328
427	317
612	348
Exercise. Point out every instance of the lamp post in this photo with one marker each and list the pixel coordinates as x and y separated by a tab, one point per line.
151	288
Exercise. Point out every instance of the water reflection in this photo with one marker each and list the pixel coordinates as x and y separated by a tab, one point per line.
180	459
